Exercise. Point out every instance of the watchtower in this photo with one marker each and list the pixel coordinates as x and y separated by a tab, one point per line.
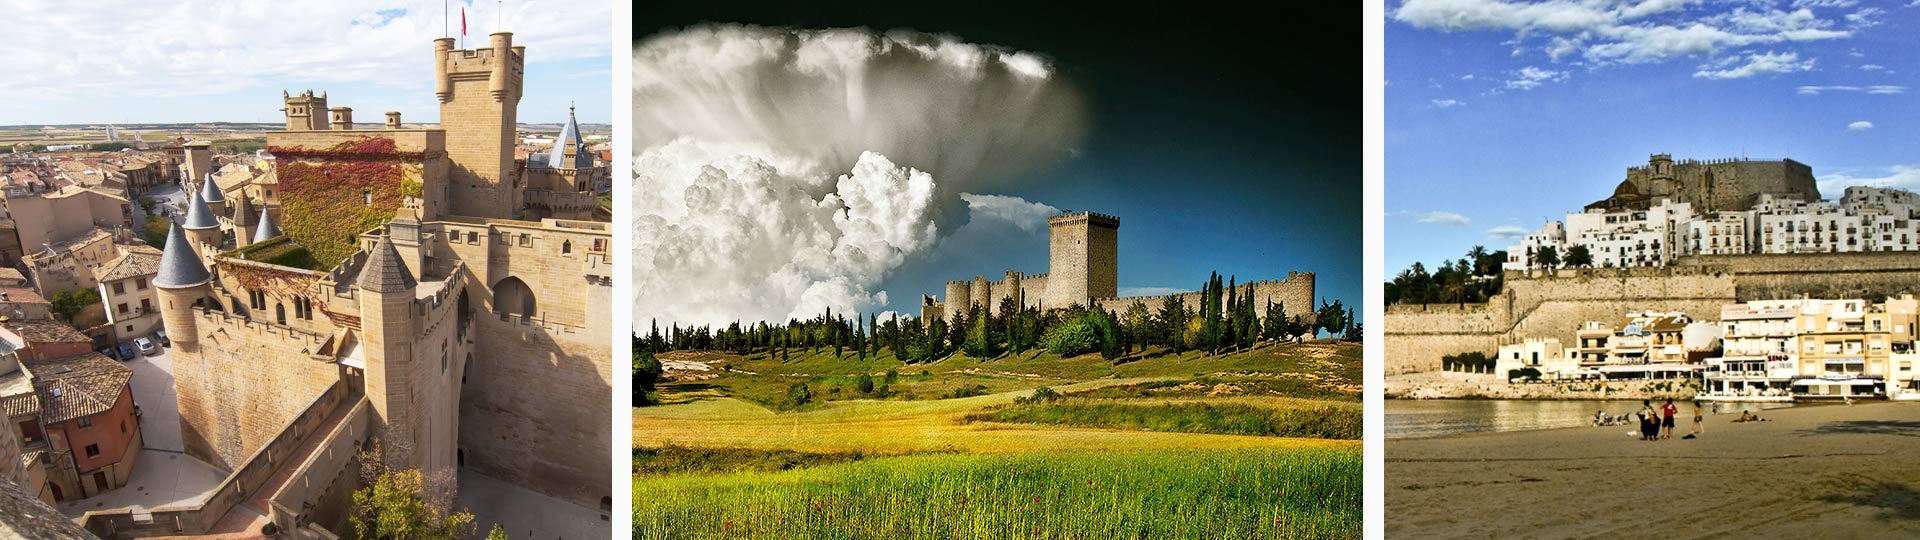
479	92
1082	258
305	112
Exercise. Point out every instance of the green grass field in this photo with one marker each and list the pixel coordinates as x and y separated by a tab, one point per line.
1253	444
1061	495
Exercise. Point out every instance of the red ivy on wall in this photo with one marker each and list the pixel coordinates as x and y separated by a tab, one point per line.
333	195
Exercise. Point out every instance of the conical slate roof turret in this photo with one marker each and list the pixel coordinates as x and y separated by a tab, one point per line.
267	229
569	139
179	264
384	271
243	210
210	191
199	216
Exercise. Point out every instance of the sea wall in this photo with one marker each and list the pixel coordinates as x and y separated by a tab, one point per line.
1449	385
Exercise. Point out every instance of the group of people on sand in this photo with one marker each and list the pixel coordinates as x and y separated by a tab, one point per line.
1655	424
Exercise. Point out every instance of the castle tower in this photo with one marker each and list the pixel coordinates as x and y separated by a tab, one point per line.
1082	258
215	198
1010	287
569	150
266	229
243	222
181	282
958	298
305	112
202	228
386	338
199	160
393	119
342	118
479	92
980	292
1660	180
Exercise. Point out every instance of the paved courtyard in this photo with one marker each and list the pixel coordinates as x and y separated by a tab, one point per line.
163	476
527	515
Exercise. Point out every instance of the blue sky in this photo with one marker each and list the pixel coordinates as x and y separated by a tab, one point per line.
1501	115
149	62
1214	158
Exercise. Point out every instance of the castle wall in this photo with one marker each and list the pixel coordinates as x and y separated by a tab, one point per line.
538	385
244	384
1825	275
534	408
1417	337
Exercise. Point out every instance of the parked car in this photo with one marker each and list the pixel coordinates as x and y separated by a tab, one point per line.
126	351
146	346
161	336
109	352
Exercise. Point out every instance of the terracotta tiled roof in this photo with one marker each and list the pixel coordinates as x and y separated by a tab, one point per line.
18	399
20	295
47	331
137	261
77	386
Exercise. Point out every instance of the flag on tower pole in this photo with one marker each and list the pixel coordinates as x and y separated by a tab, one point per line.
463	27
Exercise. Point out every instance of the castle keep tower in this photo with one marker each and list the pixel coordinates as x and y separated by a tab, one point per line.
1082	258
306	112
479	92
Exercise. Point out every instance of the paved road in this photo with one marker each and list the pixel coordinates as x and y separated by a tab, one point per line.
526	514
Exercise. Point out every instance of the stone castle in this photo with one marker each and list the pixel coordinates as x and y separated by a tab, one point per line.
1712	185
418	289
1083	268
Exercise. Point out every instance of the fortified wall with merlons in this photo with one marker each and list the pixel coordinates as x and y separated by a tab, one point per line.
1083	269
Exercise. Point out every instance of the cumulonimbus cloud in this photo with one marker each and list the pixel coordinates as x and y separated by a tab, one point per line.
780	172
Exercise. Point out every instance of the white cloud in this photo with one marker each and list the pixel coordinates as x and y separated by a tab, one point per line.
1872	67
1031	216
731	233
1769	62
1510	233
1862	125
134	48
1531	77
969	114
1437	217
782	172
1898	176
1447	103
1605	32
1880	90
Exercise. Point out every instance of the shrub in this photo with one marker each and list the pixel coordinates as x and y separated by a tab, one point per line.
799	394
967	392
1044	394
864	383
1071	338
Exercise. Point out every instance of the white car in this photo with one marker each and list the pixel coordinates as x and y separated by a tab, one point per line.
146	346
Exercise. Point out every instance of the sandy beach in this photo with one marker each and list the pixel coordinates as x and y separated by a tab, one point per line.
1814	472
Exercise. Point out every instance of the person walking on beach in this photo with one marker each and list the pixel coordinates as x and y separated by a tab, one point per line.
1649	422
1666	423
1698	418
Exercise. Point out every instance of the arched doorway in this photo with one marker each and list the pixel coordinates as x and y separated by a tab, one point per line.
460	319
512	296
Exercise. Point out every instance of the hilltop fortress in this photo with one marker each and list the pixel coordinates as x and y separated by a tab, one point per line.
1083	269
416	290
1712	185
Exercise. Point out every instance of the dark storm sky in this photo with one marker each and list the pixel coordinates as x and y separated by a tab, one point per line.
1224	140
